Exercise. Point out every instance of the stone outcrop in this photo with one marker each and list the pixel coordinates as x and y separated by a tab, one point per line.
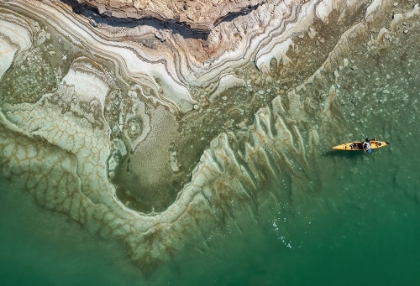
199	15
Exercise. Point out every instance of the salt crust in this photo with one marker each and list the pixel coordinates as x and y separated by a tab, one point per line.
87	85
13	39
171	76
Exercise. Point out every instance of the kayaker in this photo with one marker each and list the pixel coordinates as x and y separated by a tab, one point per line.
366	146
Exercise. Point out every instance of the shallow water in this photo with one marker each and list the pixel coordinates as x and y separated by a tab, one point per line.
358	226
367	235
361	229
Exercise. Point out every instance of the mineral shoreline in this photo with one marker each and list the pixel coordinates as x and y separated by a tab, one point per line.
249	105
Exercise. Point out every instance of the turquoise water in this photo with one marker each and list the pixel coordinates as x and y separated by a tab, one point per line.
41	248
361	230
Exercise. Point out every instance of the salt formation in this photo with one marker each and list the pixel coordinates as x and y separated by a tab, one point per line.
66	144
15	39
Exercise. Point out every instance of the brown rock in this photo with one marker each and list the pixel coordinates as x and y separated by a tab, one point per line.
201	15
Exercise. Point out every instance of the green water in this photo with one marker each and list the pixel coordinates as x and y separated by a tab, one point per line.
363	229
41	248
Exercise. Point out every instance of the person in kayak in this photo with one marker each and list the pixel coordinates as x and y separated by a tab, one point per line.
366	145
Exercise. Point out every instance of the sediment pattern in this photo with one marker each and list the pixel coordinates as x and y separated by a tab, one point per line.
66	144
181	72
198	15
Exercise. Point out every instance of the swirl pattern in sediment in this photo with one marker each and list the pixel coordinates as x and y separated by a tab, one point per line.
179	71
65	144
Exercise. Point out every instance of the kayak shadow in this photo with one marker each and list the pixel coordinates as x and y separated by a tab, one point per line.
345	154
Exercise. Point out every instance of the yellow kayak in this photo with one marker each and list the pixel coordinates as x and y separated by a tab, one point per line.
358	145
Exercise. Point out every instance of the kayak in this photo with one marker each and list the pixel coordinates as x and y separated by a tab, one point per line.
358	145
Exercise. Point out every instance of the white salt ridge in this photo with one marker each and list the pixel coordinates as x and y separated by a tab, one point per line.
171	75
324	9
13	39
278	52
87	86
140	67
7	53
226	82
373	7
